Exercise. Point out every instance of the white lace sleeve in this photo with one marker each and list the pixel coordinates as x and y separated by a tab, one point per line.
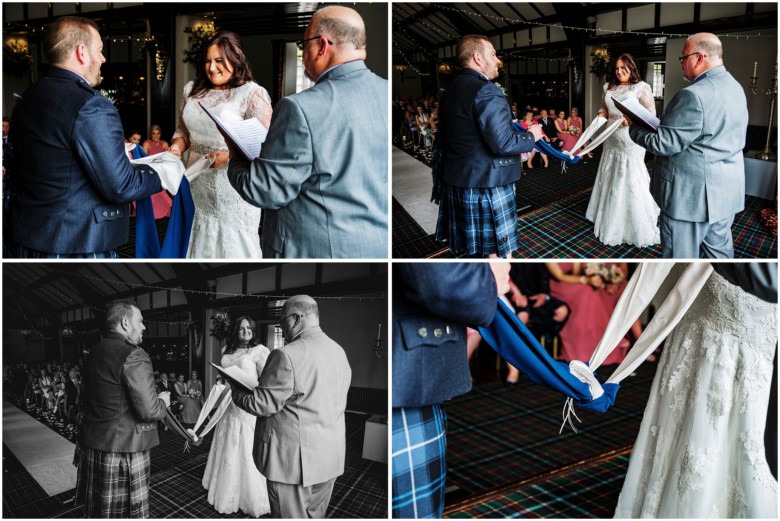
645	96
181	128
260	358
259	106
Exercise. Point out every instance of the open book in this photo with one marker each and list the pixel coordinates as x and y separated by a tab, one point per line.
638	114
236	376
246	135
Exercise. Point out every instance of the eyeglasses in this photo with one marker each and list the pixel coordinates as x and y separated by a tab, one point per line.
682	58
302	43
288	316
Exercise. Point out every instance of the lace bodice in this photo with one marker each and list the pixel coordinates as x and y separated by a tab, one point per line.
225	226
641	91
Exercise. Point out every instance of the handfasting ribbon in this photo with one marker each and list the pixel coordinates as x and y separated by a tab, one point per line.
611	129
596	124
219	398
637	295
545	148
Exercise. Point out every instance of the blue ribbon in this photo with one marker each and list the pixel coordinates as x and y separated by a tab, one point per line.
177	235
547	149
515	343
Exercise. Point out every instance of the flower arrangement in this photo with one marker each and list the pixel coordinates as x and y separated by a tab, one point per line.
194	393
16	57
610	275
601	65
198	37
220	326
575	131
109	95
503	89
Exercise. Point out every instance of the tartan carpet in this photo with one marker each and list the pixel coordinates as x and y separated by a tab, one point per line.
499	436
552	222
176	489
590	492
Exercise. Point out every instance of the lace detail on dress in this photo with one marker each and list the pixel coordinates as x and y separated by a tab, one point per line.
225	226
700	450
621	207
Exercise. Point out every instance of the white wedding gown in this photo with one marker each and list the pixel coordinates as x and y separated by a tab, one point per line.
621	206
231	476
225	226
700	449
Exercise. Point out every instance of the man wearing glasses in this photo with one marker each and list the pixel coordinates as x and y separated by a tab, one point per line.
699	175
300	436
322	173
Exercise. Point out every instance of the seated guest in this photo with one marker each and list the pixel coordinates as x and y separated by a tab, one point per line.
548	127
155	145
528	120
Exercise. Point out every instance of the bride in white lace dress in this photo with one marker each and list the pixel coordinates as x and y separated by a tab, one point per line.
231	476
700	449
224	226
621	205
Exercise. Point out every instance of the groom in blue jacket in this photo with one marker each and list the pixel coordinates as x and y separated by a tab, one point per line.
480	157
71	178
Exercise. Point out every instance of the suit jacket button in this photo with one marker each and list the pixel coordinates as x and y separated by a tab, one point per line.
437	332
422	332
448	329
113	213
105	214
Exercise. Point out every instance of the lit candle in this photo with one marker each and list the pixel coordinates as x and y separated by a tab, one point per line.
379	332
755	69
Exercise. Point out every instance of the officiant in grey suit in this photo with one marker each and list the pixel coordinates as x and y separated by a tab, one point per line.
699	175
322	173
300	436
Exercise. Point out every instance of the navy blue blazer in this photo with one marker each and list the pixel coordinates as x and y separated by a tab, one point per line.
432	303
481	149
73	180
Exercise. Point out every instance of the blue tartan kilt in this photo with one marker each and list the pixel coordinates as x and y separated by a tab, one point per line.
113	484
478	221
419	450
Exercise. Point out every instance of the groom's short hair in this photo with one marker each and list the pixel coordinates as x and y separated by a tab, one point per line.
117	310
468	45
64	35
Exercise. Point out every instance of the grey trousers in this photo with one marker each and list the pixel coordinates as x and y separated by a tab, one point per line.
684	239
299	502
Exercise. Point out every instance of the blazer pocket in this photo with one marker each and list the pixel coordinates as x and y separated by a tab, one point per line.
108	212
430	332
145	427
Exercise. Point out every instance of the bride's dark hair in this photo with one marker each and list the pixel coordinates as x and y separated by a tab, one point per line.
232	49
632	68
233	342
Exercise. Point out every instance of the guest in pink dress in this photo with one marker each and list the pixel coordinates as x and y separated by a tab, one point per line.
590	309
161	202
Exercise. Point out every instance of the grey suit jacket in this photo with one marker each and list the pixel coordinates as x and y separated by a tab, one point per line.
300	436
322	173
699	173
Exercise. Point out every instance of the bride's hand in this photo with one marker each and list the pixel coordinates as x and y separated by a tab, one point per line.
220	159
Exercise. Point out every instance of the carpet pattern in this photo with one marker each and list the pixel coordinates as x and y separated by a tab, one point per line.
176	490
498	436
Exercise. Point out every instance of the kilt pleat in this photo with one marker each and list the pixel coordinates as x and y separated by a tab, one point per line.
113	484
478	221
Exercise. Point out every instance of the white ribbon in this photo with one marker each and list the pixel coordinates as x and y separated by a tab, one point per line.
639	291
611	129
219	397
596	124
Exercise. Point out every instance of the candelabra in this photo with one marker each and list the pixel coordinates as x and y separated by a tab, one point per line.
766	154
